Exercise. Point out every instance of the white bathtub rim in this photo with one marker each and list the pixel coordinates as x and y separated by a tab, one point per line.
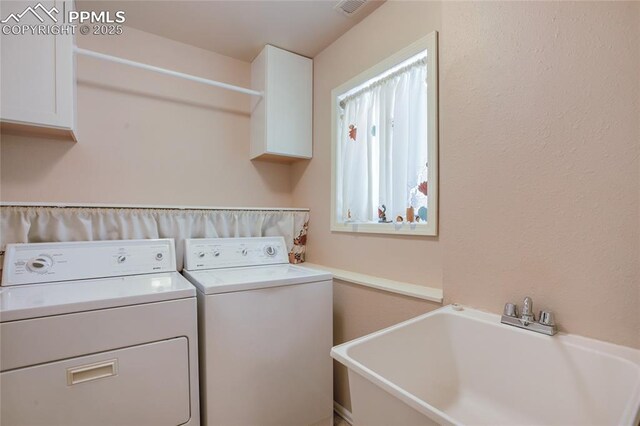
623	354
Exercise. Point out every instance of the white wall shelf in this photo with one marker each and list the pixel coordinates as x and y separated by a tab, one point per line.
398	287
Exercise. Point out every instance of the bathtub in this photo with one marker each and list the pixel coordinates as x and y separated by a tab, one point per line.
463	367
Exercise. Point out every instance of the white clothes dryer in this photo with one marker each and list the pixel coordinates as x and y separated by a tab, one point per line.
97	333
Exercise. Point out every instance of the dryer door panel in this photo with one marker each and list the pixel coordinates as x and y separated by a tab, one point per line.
140	385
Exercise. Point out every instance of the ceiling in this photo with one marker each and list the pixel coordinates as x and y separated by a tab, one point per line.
239	28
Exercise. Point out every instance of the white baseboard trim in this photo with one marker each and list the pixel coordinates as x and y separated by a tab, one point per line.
343	412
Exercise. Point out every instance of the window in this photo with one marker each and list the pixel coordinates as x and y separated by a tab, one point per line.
385	146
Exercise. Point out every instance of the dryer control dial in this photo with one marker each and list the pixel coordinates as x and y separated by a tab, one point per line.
270	251
41	264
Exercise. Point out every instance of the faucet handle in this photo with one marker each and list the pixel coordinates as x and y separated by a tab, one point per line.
527	310
546	318
510	310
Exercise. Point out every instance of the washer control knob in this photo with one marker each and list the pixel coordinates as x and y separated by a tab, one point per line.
122	258
159	256
216	253
244	251
40	264
201	254
270	251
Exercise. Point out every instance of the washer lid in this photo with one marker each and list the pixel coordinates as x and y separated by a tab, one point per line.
40	300
227	280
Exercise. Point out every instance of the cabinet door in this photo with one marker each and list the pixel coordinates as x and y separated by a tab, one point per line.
289	103
37	71
140	385
281	121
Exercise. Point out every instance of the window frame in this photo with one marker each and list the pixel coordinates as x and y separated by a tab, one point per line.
430	44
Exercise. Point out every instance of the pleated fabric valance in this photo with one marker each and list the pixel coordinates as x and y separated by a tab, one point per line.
49	224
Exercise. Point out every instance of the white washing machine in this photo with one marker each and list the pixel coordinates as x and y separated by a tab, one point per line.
97	333
265	334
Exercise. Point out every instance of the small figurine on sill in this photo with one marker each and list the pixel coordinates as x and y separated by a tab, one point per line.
422	212
349	215
382	215
410	214
399	219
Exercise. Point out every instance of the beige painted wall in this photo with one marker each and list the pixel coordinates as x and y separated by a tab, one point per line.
540	158
540	140
144	138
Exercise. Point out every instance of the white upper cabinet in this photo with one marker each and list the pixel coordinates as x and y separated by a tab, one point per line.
37	75
281	120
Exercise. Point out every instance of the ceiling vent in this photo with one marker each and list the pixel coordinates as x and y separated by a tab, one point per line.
349	7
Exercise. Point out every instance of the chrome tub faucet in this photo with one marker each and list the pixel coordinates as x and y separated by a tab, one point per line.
527	320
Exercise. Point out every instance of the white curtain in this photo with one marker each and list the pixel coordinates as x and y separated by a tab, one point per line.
382	146
50	224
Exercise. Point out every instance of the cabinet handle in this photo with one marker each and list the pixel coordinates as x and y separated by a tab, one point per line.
89	372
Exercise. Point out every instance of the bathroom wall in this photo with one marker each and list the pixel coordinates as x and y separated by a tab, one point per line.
145	138
539	165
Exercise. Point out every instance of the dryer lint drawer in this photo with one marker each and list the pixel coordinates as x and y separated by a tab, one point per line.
140	385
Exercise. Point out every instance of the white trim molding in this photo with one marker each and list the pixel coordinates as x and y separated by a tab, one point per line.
398	287
343	412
